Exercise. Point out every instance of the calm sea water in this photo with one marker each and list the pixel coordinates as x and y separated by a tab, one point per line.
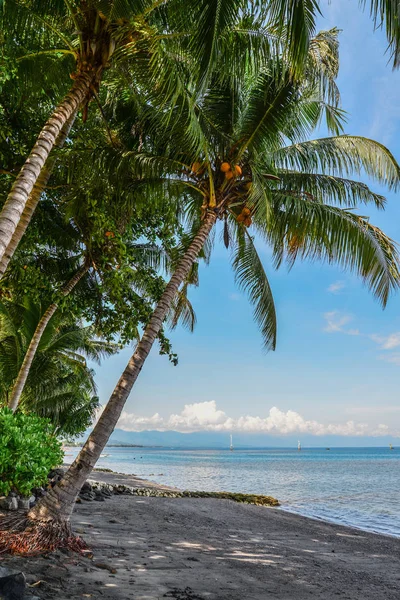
353	486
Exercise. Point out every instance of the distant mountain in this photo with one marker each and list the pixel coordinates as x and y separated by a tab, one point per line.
205	439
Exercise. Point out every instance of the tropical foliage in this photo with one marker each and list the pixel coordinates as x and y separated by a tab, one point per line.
28	452
60	385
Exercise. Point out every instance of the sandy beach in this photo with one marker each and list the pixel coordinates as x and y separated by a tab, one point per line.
147	548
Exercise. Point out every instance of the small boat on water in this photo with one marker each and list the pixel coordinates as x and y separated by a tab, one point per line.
104	455
390	447
231	446
298	446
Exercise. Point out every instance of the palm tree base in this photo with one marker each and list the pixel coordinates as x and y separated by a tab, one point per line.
24	536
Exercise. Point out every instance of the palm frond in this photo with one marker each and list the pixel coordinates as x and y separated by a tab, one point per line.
386	14
329	189
341	156
296	20
251	278
313	230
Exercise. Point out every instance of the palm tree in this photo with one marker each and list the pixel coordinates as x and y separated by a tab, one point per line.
59	386
94	247
34	197
34	343
298	196
89	36
148	41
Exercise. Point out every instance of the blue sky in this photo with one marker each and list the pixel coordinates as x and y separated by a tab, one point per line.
338	353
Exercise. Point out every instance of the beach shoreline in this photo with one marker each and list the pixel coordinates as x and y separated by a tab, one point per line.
108	476
148	548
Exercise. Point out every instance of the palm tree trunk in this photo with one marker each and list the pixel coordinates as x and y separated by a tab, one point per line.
37	336
34	196
59	502
26	179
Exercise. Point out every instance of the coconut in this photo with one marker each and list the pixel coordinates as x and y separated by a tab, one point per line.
228	174
225	167
238	170
246	211
240	218
196	166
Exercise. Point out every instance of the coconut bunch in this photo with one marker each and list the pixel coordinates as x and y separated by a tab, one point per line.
229	188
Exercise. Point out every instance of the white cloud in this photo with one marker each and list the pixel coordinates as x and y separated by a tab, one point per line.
335	322
336	287
387	342
205	416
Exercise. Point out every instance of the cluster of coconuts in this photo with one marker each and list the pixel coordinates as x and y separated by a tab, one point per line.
229	172
245	217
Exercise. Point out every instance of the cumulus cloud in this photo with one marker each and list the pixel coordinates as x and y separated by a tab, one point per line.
335	321
336	287
205	416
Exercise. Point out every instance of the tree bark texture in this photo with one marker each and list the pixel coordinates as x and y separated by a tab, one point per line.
27	177
34	196
59	502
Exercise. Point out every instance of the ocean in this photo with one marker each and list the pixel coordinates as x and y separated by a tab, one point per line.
359	487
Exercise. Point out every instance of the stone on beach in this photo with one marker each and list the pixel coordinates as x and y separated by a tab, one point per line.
9	503
12	584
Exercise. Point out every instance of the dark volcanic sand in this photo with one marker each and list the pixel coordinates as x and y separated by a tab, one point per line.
192	549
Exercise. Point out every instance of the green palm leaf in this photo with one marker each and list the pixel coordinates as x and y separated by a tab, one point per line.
341	156
251	278
313	230
329	189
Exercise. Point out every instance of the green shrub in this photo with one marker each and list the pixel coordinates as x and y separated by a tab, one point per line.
28	451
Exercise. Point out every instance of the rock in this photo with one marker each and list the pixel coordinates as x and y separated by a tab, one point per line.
9	503
23	503
38	492
86	488
99	499
32	501
12	584
87	497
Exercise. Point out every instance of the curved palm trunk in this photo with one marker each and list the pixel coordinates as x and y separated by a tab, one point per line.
59	502
34	196
35	341
26	179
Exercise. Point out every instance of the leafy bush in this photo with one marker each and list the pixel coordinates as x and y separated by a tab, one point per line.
28	451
